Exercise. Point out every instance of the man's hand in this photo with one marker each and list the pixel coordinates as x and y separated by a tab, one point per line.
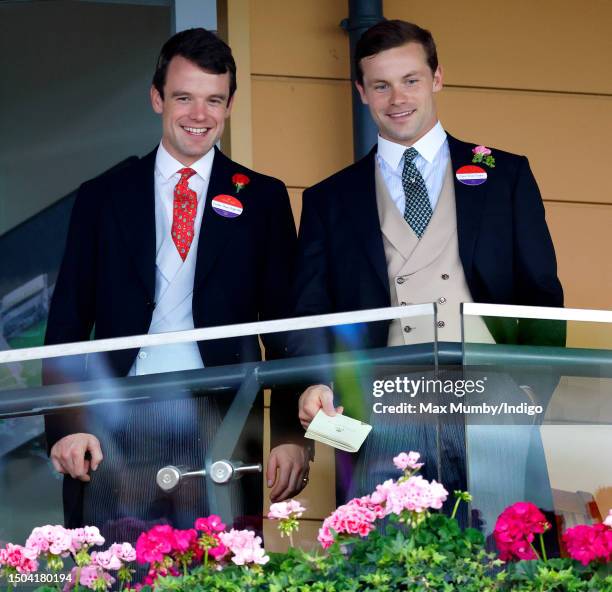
68	455
312	400
287	472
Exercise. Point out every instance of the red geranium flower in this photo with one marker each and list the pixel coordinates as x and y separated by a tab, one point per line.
240	180
515	529
586	543
153	545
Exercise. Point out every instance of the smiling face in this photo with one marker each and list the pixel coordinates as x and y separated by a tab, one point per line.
194	109
398	87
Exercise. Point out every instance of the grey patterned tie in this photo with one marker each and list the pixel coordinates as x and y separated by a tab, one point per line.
417	211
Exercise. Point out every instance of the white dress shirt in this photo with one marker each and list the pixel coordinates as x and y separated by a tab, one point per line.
173	276
166	178
431	162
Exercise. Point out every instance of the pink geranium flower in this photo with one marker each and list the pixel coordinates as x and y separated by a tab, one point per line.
106	560
356	517
211	524
90	576
123	551
414	494
245	546
20	558
405	461
286	510
481	150
56	540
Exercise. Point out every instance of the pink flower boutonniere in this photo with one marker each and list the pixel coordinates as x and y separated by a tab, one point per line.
239	180
483	154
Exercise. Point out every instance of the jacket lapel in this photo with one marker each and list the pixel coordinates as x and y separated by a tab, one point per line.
470	203
213	235
360	202
135	208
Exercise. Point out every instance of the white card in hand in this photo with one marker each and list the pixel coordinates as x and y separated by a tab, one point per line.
339	431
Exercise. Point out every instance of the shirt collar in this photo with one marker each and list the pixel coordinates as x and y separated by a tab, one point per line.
168	166
427	147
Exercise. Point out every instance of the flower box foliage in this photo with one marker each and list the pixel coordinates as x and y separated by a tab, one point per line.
393	539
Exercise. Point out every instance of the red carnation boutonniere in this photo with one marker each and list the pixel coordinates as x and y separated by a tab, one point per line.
483	154
239	180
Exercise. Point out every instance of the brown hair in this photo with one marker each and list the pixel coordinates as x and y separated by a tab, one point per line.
390	34
201	47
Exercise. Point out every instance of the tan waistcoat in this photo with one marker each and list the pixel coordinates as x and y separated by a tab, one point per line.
426	270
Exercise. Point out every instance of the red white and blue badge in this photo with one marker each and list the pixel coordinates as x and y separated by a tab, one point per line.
471	175
227	206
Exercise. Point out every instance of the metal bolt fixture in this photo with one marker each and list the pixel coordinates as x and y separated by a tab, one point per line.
221	471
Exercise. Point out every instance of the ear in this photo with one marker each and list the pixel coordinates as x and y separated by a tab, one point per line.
361	92
230	104
156	100
438	79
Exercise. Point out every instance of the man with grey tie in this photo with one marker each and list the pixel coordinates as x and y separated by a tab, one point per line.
424	217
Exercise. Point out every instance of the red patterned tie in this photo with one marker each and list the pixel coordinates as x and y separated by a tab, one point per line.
184	213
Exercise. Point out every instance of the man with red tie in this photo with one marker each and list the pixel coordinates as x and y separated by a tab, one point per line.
179	239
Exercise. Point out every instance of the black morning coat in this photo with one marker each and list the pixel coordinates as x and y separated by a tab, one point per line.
504	245
106	282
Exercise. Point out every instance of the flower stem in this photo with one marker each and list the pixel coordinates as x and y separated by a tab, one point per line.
77	579
455	508
291	538
206	557
533	549
544	556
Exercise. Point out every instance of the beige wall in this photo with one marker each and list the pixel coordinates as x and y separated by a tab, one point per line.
527	77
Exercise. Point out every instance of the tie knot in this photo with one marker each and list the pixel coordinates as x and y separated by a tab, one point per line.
185	174
410	154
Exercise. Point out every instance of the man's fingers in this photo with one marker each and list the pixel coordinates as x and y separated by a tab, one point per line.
57	465
271	472
305	418
295	483
68	455
85	476
282	479
313	399
93	446
76	458
327	402
292	488
305	421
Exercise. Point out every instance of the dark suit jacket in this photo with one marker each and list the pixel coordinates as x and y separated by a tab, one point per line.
504	245
507	257
106	281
